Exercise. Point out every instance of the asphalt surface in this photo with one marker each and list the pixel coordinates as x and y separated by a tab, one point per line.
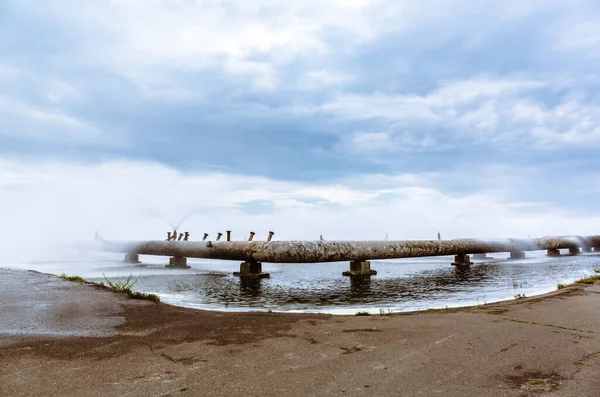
66	339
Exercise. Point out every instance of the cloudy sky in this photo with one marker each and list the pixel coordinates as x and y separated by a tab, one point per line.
350	118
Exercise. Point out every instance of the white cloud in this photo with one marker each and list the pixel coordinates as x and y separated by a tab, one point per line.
23	119
43	203
320	79
486	110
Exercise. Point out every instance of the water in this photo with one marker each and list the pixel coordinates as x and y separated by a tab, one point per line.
400	285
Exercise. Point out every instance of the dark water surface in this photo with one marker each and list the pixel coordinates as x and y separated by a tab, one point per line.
400	285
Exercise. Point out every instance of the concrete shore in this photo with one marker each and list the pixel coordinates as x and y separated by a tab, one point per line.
59	338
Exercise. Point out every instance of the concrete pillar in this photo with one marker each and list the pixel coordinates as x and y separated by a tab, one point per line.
461	260
360	268
553	252
251	269
517	255
481	256
132	258
574	250
177	262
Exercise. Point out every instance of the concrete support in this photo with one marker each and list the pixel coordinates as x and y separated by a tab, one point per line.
360	268
481	256
574	251
586	249
132	258
553	252
251	269
516	255
462	260
177	262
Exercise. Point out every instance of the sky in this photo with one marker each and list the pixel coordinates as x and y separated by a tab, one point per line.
348	118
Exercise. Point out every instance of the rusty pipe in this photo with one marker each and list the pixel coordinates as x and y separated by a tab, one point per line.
334	251
228	235
251	236
205	236
219	236
270	236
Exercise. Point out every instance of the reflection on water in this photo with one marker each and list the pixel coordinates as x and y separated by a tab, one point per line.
399	285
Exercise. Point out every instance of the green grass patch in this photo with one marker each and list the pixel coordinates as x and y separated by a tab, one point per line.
579	363
561	286
75	279
589	280
537	382
362	314
125	286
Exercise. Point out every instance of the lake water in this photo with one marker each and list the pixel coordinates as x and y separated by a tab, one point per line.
400	285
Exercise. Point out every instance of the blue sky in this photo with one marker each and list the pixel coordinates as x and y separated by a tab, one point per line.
463	99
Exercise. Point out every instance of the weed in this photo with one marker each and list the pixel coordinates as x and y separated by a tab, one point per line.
362	314
561	286
269	311
384	313
596	270
589	280
125	286
76	279
537	382
520	296
579	363
596	353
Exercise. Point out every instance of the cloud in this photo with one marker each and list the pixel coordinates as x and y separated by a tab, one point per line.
327	107
46	203
484	110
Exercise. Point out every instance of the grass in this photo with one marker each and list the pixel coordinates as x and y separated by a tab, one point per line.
579	363
362	314
537	382
118	286
125	286
384	313
75	279
520	296
584	281
589	280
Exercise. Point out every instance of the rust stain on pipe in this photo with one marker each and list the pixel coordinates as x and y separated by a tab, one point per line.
334	251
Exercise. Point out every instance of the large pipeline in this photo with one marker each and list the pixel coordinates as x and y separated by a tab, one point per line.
335	251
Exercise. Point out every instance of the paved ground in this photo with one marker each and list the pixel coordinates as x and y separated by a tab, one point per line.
65	339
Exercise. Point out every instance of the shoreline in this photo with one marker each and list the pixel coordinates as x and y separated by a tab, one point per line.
541	345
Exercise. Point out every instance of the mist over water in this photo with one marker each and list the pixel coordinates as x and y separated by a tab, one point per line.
400	285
